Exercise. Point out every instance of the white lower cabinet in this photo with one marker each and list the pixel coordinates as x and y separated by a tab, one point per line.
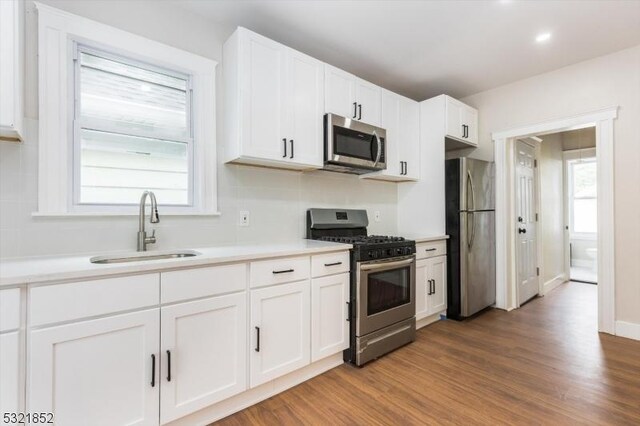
98	372
204	354
329	315
10	372
281	332
431	286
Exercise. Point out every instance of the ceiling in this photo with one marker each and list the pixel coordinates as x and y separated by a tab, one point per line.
425	48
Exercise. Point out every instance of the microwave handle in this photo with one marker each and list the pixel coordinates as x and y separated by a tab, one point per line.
379	151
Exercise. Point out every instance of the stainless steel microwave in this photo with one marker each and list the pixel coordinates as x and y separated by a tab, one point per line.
351	146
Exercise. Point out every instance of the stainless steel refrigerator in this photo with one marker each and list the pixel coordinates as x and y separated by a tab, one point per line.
470	216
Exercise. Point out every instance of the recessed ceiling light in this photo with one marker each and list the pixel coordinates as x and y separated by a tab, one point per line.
543	37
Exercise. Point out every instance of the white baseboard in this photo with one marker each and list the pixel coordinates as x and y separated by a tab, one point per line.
422	322
553	283
628	330
251	397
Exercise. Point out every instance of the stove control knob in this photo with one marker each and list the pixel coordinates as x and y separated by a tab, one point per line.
373	254
399	251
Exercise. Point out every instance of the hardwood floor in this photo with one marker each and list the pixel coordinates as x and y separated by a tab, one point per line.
542	364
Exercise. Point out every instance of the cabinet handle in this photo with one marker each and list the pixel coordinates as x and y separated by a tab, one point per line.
284	143
333	264
291	148
355	109
153	370
431	249
359	111
434	286
168	365
348	311
284	271
404	168
429	291
257	349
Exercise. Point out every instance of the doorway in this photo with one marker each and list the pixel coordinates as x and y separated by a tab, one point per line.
506	224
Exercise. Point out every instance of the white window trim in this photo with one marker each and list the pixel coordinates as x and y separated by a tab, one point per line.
572	157
57	33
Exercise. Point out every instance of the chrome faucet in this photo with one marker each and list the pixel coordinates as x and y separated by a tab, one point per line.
143	240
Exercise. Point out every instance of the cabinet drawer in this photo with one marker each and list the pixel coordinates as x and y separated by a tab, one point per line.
276	271
330	263
431	249
201	282
65	302
10	309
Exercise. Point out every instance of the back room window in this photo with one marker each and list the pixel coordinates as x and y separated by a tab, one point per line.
132	131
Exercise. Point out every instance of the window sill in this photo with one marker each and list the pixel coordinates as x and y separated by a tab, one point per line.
126	213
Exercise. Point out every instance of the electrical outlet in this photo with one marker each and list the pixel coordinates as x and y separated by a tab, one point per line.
376	216
244	218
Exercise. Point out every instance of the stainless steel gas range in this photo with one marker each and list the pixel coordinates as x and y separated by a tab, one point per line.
383	282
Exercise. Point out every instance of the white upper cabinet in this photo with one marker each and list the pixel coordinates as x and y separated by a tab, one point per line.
11	70
461	122
352	97
273	104
204	354
401	120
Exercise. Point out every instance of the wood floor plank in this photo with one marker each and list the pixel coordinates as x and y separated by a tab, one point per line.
541	364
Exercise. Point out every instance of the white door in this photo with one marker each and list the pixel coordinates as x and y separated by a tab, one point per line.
305	106
203	354
454	118
470	119
340	92
263	92
369	98
409	143
527	252
329	315
437	274
391	123
10	373
280	330
422	288
98	372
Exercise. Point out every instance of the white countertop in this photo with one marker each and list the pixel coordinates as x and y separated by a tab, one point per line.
425	239
48	269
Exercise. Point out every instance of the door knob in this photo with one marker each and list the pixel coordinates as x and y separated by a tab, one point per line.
520	219
522	231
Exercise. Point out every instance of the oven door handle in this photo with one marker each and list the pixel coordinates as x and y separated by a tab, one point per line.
387	265
379	149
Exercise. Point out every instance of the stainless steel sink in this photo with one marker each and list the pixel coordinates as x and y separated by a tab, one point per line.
143	256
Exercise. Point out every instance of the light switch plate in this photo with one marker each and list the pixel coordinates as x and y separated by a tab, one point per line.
243	220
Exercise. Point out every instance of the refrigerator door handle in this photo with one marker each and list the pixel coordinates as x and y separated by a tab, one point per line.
473	230
473	191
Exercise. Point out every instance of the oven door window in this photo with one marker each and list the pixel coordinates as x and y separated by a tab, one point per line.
388	289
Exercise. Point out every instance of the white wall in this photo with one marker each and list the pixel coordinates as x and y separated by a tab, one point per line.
552	206
598	83
277	200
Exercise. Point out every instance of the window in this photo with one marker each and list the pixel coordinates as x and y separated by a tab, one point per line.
583	212
132	131
120	114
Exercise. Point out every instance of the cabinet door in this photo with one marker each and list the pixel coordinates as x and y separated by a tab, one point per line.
391	123
369	98
10	373
329	315
470	119
280	330
340	95
205	343
454	118
409	139
305	106
422	288
263	91
437	301
99	372
11	71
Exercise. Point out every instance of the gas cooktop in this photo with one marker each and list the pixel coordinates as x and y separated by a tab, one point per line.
362	239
